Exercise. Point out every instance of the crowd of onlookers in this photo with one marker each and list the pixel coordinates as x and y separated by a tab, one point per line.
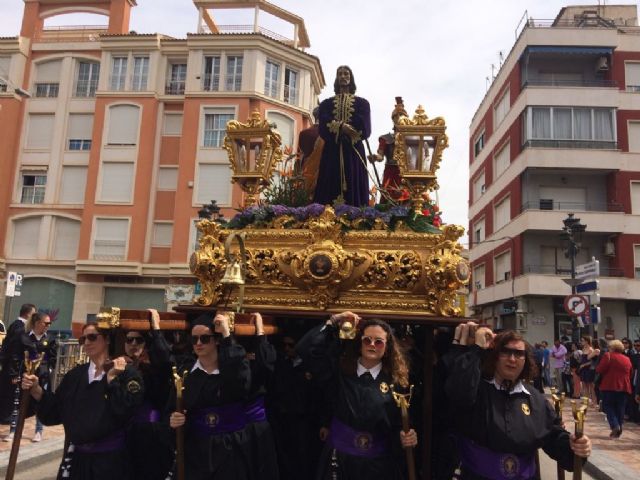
605	372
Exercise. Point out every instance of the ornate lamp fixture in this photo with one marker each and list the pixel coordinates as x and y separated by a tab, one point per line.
418	152
254	151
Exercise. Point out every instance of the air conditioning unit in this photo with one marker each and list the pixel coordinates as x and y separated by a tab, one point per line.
602	65
610	249
483	188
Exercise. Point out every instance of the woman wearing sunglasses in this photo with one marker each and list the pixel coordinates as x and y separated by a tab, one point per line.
365	437
94	403
499	419
215	392
149	440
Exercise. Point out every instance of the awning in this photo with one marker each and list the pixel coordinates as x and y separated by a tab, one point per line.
568	50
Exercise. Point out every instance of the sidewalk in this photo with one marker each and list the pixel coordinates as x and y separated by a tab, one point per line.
612	459
32	454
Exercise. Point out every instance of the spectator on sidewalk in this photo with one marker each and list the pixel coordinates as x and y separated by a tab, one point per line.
546	373
558	352
538	355
615	367
567	377
576	357
634	410
587	369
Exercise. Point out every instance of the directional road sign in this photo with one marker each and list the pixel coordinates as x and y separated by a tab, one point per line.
592	286
576	305
588	270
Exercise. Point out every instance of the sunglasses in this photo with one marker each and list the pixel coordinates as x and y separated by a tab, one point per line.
378	343
92	337
136	340
507	352
203	339
46	324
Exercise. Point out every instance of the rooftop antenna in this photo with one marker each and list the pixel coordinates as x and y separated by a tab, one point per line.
501	57
493	72
486	83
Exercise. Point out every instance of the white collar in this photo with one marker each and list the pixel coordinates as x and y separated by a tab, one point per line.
23	320
92	373
517	388
36	335
374	371
198	365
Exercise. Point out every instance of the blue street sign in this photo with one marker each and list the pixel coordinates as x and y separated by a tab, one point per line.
595	315
591	286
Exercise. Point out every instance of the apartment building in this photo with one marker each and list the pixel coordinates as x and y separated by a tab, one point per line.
107	163
558	132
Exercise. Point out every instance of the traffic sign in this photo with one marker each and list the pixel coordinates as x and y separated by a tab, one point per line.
595	315
592	286
14	284
576	305
594	299
588	270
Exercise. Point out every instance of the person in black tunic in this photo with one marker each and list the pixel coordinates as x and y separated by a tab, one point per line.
499	420
365	436
215	392
94	407
148	439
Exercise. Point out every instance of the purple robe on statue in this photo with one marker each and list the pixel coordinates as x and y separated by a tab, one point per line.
343	167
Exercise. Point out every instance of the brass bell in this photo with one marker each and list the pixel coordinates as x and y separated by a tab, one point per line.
347	331
233	274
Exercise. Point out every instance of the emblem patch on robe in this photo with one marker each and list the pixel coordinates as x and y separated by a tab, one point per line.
384	388
212	420
509	466
525	409
363	441
133	386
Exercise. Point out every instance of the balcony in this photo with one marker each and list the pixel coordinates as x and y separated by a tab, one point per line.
595	83
211	82
71	33
175	88
585	144
47	90
550	204
566	271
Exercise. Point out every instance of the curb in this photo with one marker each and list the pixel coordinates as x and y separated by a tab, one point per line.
602	467
34	455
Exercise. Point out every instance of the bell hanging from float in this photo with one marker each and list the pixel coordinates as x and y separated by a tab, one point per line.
233	274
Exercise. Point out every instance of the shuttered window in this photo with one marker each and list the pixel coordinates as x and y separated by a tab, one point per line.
478	187
502	214
72	185
40	131
48	72
636	256
26	235
503	267
213	183
162	234
478	277
632	76
5	62
479	231
79	131
116	182
168	178
172	124
635	198
502	160
634	136
66	238
110	239
502	108
123	125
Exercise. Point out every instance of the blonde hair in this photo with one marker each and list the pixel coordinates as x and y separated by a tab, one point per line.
616	346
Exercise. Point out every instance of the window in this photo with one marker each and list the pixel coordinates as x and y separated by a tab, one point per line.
140	73
284	125
168	178
478	231
110	239
116	182
502	108
478	145
178	77
478	277
502	160
213	183
48	72
271	79
47	90
502	214
123	125
162	234
503	267
634	136
215	125
234	74
72	185
26	236
33	187
570	124
118	73
291	86
636	256
66	238
172	124
632	76
478	187
211	81
5	63
87	80
79	131
40	131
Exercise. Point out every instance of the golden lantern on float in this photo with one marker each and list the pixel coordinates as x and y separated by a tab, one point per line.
254	150
419	144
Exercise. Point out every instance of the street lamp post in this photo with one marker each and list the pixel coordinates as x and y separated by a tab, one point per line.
572	234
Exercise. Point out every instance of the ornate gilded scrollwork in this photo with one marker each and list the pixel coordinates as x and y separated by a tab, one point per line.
263	268
397	270
208	262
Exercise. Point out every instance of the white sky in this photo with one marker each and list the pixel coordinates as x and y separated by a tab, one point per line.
437	53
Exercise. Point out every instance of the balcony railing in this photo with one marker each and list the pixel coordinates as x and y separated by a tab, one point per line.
566	270
211	82
71	33
549	204
633	88
586	144
174	87
249	29
570	83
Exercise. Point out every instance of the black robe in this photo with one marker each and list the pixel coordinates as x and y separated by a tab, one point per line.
11	359
92	413
513	423
363	404
221	456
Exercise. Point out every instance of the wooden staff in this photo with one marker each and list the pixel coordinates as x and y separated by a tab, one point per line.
30	367
579	415
178	381
403	401
558	403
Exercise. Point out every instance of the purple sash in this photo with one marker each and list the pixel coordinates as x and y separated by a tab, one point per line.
255	411
111	443
147	414
215	420
361	444
494	465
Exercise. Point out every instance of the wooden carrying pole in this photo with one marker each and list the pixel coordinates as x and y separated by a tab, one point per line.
579	415
402	400
558	403
30	367
179	384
